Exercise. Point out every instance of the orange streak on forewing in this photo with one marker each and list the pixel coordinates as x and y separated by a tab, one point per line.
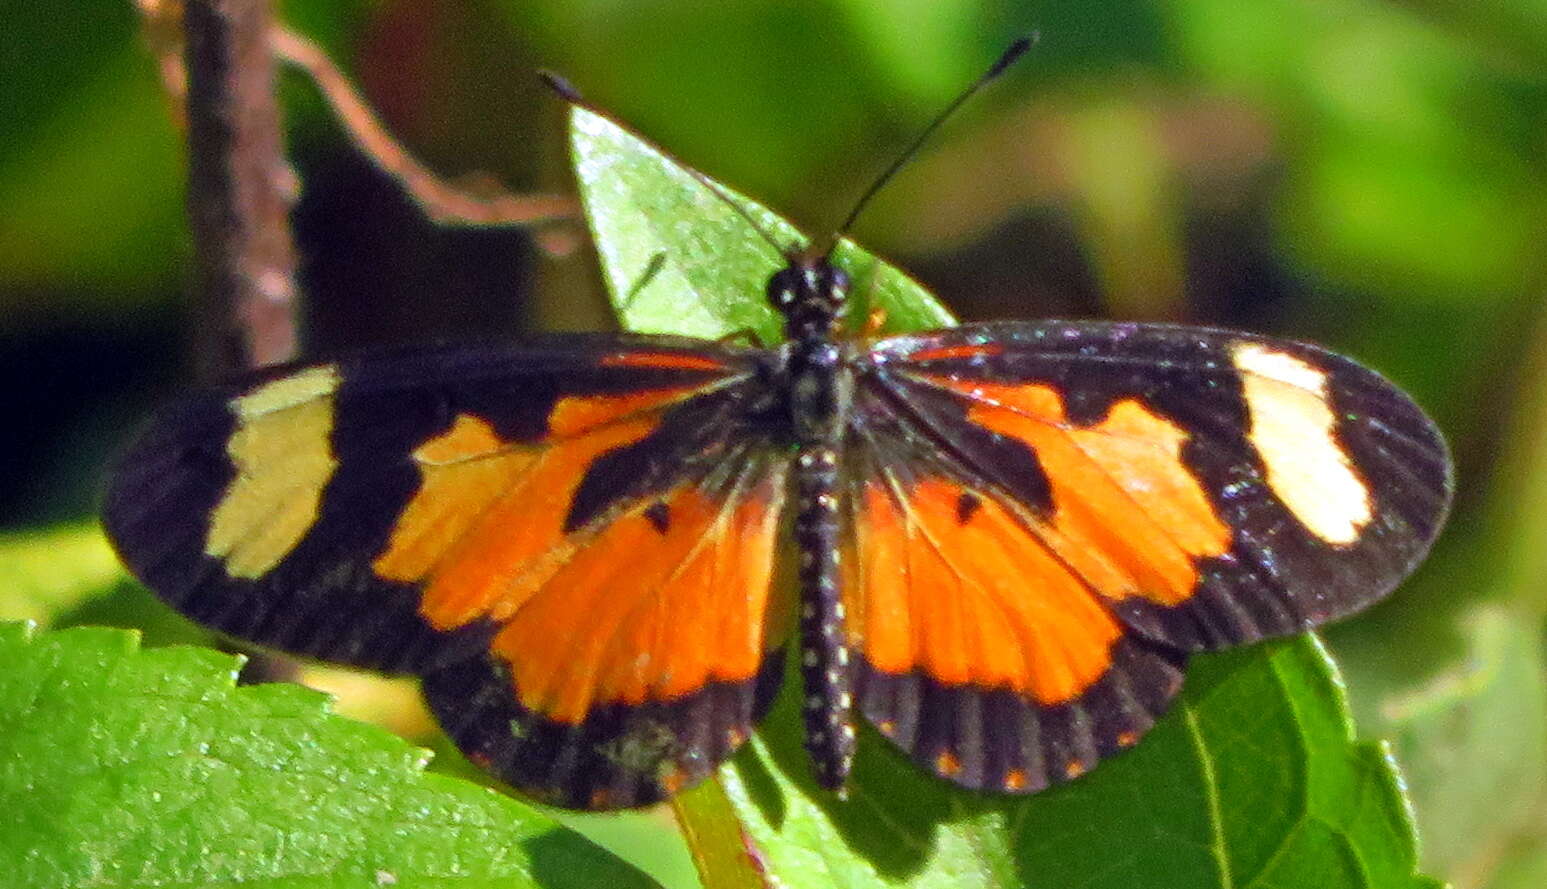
638	615
518	539
1128	514
958	351
578	414
985	604
667	360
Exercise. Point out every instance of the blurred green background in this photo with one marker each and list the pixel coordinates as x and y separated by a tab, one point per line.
1370	175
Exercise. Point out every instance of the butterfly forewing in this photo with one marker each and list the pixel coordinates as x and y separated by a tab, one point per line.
1046	516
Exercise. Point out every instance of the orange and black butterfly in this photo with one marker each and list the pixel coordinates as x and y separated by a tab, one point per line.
1005	539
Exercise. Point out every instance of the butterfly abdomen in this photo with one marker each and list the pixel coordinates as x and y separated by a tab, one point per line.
818	402
824	655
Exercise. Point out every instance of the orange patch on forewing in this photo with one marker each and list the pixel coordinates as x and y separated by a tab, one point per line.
667	360
486	529
1015	780
464	470
1129	516
960	351
980	603
947	764
644	614
469	437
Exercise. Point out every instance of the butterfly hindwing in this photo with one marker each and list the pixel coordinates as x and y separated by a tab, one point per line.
979	651
1076	505
643	661
414	510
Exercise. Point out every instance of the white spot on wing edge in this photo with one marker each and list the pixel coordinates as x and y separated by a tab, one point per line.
1294	431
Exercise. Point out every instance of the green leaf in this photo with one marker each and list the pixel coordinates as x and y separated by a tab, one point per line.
1253	780
129	768
679	259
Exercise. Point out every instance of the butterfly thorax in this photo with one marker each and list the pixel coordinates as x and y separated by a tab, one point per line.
810	294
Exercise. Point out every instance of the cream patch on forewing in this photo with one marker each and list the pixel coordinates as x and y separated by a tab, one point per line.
1294	430
284	458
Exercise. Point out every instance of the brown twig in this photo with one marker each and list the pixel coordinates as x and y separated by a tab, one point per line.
550	215
440	201
239	188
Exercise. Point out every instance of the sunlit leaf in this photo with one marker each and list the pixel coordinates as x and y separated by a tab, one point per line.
123	767
679	259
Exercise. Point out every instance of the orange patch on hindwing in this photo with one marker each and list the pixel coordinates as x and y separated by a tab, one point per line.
667	598
971	598
1128	515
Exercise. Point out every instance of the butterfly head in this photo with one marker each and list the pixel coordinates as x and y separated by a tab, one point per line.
810	292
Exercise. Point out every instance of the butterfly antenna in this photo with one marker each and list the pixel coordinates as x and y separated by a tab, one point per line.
1005	60
719	192
568	93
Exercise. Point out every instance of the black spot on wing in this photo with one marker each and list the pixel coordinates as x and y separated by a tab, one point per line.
967	506
659	516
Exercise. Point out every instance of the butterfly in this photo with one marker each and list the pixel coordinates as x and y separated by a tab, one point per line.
998	543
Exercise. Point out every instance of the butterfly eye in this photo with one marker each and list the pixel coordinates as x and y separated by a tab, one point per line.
782	287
